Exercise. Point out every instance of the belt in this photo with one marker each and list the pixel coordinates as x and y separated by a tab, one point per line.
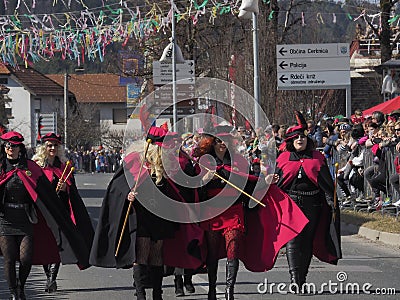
303	193
15	205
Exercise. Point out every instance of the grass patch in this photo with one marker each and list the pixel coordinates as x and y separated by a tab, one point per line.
375	221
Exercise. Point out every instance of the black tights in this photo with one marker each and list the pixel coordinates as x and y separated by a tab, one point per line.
17	247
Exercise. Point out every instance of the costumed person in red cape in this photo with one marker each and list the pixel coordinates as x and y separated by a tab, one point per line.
31	226
141	243
304	175
50	156
254	236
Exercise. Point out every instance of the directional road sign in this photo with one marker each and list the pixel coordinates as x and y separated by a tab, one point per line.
179	87
162	72
313	66
160	80
312	50
321	80
181	111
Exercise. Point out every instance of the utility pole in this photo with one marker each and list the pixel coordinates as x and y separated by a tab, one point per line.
65	107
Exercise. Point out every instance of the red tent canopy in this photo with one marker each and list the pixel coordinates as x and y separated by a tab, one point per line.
386	107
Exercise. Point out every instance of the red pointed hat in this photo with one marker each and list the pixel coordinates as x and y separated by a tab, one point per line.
12	137
295	131
51	137
156	135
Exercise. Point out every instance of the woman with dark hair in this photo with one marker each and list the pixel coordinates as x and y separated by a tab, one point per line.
50	156
233	231
16	229
378	117
28	204
302	173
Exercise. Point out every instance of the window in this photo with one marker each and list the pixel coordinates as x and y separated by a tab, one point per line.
119	115
3	80
8	112
37	103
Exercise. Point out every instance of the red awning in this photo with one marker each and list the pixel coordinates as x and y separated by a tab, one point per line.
386	107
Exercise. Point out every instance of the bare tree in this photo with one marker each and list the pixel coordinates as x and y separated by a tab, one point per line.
83	127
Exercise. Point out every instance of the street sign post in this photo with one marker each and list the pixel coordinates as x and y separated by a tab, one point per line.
314	66
185	85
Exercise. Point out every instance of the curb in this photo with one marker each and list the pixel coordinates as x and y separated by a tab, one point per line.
392	239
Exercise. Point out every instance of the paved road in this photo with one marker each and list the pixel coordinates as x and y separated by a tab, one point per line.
364	263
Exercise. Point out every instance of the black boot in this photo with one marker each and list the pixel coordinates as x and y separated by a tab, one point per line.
212	270
295	278
46	269
13	294
139	274
21	292
53	277
179	286
187	282
232	267
157	274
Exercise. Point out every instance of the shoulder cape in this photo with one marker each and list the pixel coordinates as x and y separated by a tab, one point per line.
68	241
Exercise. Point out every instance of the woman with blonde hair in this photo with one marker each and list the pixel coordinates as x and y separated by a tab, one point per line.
51	158
142	243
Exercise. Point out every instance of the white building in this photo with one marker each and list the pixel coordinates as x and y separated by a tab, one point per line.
31	93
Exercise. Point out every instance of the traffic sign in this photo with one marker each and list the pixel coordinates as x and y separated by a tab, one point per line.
180	110
168	95
321	80
312	50
168	79
179	87
162	72
312	64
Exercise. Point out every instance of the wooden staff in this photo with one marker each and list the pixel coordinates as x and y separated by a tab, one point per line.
65	169
148	142
226	181
335	191
61	180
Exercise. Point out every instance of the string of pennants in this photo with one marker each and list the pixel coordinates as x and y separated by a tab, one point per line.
85	34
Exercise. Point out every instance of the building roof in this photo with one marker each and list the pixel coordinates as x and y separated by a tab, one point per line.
34	81
94	88
390	64
4	70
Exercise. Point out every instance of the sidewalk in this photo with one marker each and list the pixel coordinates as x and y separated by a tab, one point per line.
392	239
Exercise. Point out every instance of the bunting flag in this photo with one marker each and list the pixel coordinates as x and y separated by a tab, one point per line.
84	35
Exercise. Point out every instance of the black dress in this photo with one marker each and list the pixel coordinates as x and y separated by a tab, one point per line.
148	224
16	201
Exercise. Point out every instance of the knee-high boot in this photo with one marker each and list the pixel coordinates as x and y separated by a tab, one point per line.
46	269
157	274
294	258
232	267
139	274
212	270
53	277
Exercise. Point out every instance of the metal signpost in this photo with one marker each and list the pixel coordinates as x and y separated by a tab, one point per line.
185	85
314	66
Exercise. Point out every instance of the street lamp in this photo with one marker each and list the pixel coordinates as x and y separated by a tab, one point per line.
173	52
249	10
65	107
